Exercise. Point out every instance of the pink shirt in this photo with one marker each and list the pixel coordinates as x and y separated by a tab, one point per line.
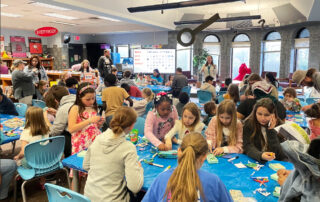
156	127
315	130
212	137
4	69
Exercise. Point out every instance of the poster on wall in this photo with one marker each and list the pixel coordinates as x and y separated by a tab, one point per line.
18	46
2	43
35	45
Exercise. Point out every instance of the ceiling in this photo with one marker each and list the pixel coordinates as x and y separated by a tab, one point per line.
275	13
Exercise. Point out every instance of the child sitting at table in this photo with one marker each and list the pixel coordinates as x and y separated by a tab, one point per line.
140	105
210	109
224	132
183	100
260	139
63	77
6	105
290	101
232	93
41	89
190	122
140	80
133	91
36	128
114	172
187	182
127	79
160	120
314	123
72	84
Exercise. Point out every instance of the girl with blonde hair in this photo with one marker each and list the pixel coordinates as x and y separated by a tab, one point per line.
140	105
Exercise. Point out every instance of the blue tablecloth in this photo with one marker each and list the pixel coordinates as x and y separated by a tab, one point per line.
297	117
6	139
232	177
99	101
156	88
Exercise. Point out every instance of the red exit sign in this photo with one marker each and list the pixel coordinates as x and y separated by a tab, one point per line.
76	38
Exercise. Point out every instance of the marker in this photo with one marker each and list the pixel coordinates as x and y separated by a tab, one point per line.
154	164
167	168
234	158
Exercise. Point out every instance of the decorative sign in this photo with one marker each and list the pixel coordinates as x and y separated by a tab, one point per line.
46	31
35	45
89	77
18	46
2	43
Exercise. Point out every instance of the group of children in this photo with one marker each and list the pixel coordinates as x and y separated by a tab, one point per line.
224	133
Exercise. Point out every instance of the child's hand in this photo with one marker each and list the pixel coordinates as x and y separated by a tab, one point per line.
282	176
95	119
17	157
218	151
268	156
52	111
102	120
272	122
162	147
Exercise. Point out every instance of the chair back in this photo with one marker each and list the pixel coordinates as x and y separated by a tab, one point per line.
61	194
21	108
204	96
221	92
312	100
39	103
43	156
186	89
301	99
148	107
140	125
220	98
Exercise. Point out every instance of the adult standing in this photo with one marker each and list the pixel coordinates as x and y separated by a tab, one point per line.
209	69
179	81
23	88
39	71
105	64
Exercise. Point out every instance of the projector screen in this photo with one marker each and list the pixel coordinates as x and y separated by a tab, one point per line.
146	60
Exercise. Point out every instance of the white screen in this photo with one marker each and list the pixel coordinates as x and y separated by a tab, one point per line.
146	60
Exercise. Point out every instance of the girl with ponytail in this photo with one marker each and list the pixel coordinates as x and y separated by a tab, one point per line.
314	123
187	182
114	172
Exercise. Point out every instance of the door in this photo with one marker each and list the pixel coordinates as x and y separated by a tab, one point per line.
75	54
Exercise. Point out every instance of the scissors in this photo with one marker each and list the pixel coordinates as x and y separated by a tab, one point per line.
262	181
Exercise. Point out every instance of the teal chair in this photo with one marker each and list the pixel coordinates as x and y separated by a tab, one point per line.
204	96
310	100
186	89
21	108
149	107
56	193
220	98
38	103
301	99
140	125
43	158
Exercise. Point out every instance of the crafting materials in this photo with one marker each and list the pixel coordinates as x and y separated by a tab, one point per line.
274	177
276	166
236	195
153	149
172	154
262	191
211	158
240	165
276	191
234	158
261	180
154	164
82	154
227	156
13	123
167	168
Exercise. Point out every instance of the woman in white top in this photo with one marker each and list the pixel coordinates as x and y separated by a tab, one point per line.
209	69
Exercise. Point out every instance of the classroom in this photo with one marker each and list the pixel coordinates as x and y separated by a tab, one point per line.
177	100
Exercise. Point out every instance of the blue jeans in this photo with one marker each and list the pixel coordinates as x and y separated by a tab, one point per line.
8	168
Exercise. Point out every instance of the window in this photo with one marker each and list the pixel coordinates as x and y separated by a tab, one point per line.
184	57
212	45
301	46
271	53
123	50
240	53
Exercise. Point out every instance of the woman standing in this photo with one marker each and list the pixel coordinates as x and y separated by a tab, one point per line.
209	69
35	66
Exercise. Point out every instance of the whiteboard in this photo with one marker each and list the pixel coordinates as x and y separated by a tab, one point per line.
146	60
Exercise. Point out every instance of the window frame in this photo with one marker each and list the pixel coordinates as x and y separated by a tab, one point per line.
239	44
182	48
216	43
301	40
262	69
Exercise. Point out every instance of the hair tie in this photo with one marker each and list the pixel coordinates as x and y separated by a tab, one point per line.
85	88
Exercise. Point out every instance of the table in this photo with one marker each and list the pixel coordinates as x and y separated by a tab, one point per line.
232	177
156	88
99	101
297	117
6	139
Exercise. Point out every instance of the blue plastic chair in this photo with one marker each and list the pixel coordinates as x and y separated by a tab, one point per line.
43	158
312	100
204	96
303	103
149	107
38	103
140	125
221	92
21	108
186	89
220	98
55	192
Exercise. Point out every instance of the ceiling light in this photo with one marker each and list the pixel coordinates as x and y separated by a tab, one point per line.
49	6
64	23
11	15
56	15
3	5
110	19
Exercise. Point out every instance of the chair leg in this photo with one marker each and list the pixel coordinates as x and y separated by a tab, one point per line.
13	146
67	176
15	188
24	196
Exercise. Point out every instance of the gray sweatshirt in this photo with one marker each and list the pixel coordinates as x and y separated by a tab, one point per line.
316	80
112	165
61	121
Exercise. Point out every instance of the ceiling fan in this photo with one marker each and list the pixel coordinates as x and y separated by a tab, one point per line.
165	6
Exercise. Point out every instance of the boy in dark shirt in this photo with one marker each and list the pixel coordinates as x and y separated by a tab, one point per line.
6	105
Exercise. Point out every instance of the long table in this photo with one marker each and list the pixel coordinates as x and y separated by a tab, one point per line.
297	117
7	139
99	101
234	178
156	88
